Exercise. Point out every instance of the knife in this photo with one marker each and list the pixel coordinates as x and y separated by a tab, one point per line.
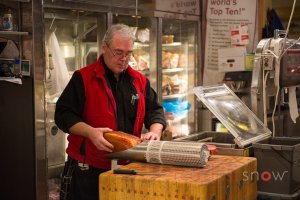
134	172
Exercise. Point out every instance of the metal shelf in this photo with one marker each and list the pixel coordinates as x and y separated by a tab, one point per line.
13	33
140	44
174	96
145	72
173	70
174	44
19	0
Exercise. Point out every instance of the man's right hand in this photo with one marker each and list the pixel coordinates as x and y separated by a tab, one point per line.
94	134
97	138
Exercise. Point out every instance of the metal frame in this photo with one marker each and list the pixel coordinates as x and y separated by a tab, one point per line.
39	93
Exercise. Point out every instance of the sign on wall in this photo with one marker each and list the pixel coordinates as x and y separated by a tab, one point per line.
221	16
179	6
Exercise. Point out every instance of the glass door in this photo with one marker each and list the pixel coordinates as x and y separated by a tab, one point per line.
178	75
71	42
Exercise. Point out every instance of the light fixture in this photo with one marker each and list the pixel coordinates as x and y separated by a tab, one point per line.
136	10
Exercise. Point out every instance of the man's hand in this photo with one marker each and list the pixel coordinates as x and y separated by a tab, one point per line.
96	136
151	136
154	133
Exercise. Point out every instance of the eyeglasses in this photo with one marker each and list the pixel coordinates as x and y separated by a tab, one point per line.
119	53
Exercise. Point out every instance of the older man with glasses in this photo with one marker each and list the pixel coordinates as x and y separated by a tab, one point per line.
104	96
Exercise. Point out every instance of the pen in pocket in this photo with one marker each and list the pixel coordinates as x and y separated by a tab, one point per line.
134	98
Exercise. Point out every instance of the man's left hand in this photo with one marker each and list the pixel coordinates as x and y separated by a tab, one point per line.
151	136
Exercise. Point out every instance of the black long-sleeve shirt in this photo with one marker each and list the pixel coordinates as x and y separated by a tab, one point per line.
70	105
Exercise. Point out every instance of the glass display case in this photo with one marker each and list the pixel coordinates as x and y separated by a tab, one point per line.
178	71
165	51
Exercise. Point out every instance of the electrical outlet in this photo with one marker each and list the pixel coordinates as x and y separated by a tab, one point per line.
268	62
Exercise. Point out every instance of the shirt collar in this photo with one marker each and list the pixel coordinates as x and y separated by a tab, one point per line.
108	72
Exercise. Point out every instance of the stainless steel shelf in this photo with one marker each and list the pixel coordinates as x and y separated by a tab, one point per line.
174	44
13	33
140	44
174	96
145	72
19	0
173	70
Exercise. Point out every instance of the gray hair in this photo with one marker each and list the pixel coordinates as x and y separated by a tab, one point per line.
123	29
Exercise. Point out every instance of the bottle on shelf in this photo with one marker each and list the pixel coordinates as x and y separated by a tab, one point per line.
7	21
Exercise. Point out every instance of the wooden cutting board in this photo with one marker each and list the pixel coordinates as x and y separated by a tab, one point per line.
224	178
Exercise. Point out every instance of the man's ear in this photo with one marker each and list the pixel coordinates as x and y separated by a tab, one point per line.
103	47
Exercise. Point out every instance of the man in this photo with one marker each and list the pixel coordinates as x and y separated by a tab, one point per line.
101	97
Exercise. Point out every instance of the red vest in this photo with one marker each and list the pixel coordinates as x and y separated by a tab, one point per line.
100	111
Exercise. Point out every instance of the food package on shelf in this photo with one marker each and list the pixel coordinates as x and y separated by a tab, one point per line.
140	60
173	84
174	60
179	130
166	59
166	87
133	63
142	63
183	61
169	59
165	39
133	29
176	109
143	35
175	128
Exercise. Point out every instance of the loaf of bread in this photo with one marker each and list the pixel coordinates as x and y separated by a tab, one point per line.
121	140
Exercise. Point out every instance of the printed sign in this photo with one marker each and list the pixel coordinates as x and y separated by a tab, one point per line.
221	17
179	6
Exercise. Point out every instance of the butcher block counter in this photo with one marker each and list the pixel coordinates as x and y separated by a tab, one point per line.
224	178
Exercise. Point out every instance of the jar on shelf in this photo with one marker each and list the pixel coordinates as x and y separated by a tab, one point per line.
167	39
7	21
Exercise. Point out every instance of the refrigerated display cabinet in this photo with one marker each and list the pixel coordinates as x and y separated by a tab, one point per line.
77	35
179	74
165	51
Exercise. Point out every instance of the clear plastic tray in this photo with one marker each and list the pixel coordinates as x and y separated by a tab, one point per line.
241	122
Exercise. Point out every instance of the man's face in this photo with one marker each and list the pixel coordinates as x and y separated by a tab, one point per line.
117	54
